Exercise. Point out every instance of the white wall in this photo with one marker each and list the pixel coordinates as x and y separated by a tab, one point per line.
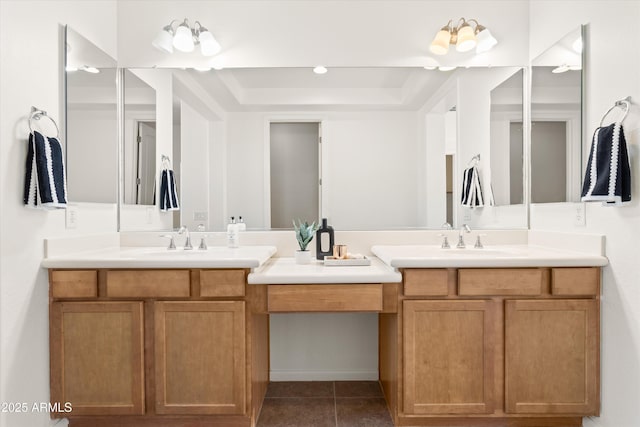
30	74
613	72
366	158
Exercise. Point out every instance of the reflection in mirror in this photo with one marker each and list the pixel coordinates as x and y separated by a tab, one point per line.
383	157
91	130
507	181
556	121
139	152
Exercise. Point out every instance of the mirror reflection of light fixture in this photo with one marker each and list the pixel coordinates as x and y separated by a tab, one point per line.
184	38
464	37
320	69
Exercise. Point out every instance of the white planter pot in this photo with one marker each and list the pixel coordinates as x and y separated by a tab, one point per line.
303	257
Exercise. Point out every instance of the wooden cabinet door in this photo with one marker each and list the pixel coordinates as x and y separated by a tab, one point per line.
448	357
200	357
551	356
97	357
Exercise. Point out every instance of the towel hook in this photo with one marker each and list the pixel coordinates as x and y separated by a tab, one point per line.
166	162
622	103
474	160
37	114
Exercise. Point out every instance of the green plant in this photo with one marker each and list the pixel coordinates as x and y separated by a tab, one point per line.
304	233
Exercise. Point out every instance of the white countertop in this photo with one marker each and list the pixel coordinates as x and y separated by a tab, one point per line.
160	257
431	256
286	271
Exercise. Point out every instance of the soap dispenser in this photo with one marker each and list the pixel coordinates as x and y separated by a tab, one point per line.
232	234
324	230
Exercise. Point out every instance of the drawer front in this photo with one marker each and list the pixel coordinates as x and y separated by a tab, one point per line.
327	298
147	283
500	281
222	283
426	282
575	281
74	283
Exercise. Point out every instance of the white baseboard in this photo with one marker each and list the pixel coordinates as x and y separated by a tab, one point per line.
323	375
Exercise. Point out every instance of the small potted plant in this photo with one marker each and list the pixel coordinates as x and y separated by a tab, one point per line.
304	235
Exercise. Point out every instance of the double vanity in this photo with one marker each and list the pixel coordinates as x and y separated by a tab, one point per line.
505	336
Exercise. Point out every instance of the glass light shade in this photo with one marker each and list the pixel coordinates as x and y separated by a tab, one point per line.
440	44
209	46
164	40
466	39
183	39
485	40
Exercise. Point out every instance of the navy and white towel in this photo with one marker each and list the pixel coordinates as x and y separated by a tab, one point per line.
471	188
608	175
45	184
168	192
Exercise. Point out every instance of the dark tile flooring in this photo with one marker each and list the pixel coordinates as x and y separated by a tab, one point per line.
324	404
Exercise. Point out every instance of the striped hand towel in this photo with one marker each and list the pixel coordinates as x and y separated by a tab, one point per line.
168	192
608	175
45	184
471	188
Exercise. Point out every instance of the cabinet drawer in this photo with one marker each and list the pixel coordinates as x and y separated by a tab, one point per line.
222	283
328	298
575	281
500	281
74	283
421	282
148	283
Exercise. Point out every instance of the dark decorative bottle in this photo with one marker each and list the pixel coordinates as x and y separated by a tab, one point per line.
325	229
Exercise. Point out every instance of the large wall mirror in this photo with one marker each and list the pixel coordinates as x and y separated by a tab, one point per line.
557	84
91	130
382	163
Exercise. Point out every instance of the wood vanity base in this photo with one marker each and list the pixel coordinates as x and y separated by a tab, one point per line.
493	347
490	422
164	421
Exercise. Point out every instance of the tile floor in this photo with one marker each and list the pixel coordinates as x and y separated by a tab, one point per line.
324	404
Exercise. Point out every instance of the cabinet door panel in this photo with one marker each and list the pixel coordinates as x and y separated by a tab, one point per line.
200	357
551	356
448	357
97	357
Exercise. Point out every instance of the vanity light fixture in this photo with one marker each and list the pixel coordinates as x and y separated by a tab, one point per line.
464	36
564	68
185	38
89	69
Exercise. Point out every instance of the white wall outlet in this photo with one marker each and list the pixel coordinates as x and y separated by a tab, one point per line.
200	216
71	216
579	219
149	215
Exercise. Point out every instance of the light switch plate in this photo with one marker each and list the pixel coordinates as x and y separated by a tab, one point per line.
71	216
579	218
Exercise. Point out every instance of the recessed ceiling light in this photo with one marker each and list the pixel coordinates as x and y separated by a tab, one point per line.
560	69
446	68
202	68
90	69
320	70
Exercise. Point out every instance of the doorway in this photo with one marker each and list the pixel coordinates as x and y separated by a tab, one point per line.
294	172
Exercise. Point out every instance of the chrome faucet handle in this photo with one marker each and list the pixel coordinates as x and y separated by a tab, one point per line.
172	243
203	243
478	244
463	229
445	241
187	243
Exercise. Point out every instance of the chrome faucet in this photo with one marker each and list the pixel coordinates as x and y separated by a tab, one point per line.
445	240
463	229
187	243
